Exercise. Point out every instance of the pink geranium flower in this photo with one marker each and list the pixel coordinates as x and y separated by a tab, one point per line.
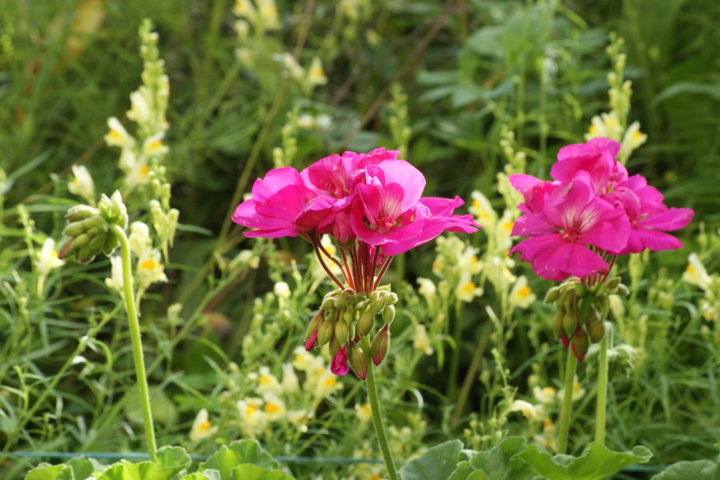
596	157
277	201
649	217
573	219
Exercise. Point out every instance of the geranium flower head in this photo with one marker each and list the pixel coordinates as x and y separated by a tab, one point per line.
573	219
277	201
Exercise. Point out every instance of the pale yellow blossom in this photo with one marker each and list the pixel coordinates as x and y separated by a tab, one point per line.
201	427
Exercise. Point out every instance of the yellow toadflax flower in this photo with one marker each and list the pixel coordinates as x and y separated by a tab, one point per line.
201	427
482	210
252	417
267	382
695	272
421	340
467	290
316	74
363	412
530	411
150	270
521	294
82	184
117	136
47	258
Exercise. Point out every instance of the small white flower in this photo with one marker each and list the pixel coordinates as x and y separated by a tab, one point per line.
252	417
115	280
323	121
82	184
47	258
244	8
282	290
304	361
149	269
521	294
467	290
289	379
201	427
363	412
139	238
695	272
544	395
291	65
306	121
529	410
268	14
117	136
421	340
267	382
139	107
316	74
482	210
274	408
154	146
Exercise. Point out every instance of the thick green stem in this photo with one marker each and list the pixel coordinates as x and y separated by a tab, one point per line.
376	414
602	389
566	412
134	325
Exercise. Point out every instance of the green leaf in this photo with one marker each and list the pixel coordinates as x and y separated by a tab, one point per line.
249	471
498	463
50	472
210	474
171	461
438	462
596	462
696	470
82	467
173	458
242	451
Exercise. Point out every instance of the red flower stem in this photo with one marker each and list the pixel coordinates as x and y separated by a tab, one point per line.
373	266
346	269
383	269
331	257
356	274
322	262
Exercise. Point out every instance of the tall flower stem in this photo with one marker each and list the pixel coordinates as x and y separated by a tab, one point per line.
376	414
602	389
134	325
566	412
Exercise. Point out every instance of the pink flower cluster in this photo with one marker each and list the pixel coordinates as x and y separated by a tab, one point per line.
591	212
372	205
372	197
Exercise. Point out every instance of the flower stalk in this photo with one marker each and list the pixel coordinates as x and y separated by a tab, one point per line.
566	409
377	415
602	389
136	340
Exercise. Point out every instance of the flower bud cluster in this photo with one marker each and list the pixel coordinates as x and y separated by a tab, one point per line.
88	231
581	311
344	318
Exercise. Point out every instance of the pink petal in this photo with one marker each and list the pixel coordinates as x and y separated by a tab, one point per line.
669	220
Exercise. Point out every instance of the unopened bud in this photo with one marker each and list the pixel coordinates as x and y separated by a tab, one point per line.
596	329
348	315
325	332
557	325
380	345
570	324
366	322
553	294
388	314
342	332
314	324
80	212
358	362
580	289
622	290
613	283
580	344
328	302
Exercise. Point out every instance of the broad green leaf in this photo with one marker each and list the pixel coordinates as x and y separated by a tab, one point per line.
50	472
596	462
249	471
82	467
499	463
173	458
242	451
438	462
171	461
696	470
210	474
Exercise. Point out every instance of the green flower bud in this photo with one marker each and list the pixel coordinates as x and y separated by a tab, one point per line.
342	332
622	290
314	324
596	330
348	315
80	212
570	324
366	323
328	302
358	362
388	314
334	347
326	332
553	294
580	344
613	283
113	210
380	345
557	325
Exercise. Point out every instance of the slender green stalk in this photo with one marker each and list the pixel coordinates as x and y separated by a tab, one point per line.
376	414
455	359
566	412
602	389
134	325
